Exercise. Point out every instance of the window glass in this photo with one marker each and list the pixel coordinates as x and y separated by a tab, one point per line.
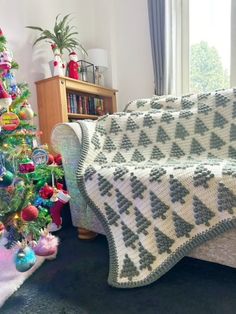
209	41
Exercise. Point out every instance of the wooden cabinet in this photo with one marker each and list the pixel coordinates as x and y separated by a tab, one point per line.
53	101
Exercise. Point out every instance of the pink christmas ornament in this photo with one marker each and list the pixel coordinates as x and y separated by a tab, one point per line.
47	244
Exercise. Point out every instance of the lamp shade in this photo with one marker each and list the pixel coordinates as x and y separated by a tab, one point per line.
98	57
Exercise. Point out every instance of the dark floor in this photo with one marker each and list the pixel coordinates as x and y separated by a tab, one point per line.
76	282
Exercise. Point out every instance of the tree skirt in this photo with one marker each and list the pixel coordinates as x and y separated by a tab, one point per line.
10	278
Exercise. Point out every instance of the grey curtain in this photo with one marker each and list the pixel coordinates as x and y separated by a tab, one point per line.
156	13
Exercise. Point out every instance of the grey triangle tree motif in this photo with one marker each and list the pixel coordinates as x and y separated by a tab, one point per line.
200	127
180	131
129	270
167	117
176	151
216	141
211	156
109	145
143	139
89	172
156	154
95	141
226	199
119	158
137	187
219	120
146	258
100	158
202	213
182	227
129	236
203	96
122	202
115	128
140	103
100	129
158	207
148	121
142	222
163	242
112	216
186	103
203	108
234	110
186	114
126	143
232	132
196	148
156	174
162	136
232	152
221	100
104	185
201	176
177	190
131	125
137	156
119	173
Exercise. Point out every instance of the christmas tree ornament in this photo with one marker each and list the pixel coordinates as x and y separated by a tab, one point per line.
26	165
58	159
29	213
24	258
47	244
12	87
50	159
26	112
40	156
6	178
9	121
5	98
46	191
5	60
56	210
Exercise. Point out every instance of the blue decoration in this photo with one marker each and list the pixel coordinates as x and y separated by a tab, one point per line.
24	259
40	156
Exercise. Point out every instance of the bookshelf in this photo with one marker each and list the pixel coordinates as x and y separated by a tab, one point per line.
55	105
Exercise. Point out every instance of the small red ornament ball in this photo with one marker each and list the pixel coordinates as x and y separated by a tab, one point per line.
58	159
46	191
50	159
29	213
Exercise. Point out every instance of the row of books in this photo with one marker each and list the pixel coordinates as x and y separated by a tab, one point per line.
81	104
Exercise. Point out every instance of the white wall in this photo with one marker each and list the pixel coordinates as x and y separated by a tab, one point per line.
124	32
120	26
33	61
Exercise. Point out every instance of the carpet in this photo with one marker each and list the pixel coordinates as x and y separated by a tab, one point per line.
10	278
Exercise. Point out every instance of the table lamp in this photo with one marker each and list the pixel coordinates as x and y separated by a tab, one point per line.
98	57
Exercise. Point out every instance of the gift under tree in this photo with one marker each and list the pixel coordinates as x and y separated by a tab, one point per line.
31	191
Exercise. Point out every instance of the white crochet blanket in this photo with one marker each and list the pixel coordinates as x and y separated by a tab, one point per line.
161	181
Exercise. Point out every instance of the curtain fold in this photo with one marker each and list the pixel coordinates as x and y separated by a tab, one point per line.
156	13
168	21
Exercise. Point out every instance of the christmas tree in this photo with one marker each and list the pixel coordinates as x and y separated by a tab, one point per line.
31	189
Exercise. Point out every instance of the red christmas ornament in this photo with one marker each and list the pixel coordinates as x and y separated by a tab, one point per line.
46	191
29	213
26	166
50	159
58	159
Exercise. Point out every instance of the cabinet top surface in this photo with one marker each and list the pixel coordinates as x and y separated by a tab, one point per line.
79	82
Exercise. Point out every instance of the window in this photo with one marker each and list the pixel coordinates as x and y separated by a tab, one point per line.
209	45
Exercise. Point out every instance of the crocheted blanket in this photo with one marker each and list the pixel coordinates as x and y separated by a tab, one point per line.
161	181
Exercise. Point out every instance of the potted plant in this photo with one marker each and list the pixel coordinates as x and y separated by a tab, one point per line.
63	37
